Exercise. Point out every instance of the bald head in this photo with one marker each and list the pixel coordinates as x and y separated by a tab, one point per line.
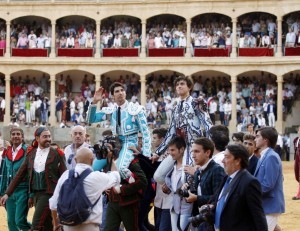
84	156
78	135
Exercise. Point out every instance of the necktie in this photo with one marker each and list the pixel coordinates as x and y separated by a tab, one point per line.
119	116
181	105
220	204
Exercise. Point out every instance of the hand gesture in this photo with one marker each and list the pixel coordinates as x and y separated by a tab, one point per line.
30	202
99	95
3	200
154	158
134	150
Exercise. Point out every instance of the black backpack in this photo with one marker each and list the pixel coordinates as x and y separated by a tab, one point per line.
73	206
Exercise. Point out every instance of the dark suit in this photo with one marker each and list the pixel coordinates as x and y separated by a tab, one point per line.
211	178
243	210
252	164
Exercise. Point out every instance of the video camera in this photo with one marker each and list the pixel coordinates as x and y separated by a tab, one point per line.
101	149
205	215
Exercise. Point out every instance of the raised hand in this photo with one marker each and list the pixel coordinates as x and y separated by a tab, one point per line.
99	95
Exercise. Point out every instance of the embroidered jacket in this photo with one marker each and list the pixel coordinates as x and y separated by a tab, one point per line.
55	166
191	118
133	120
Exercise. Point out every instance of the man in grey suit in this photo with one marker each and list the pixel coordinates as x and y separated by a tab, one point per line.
269	174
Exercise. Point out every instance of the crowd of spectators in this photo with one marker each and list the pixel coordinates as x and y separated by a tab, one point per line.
30	103
207	31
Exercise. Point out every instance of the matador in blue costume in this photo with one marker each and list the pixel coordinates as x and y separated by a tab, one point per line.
126	120
190	120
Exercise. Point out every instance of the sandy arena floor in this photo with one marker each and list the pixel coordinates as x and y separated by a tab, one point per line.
288	221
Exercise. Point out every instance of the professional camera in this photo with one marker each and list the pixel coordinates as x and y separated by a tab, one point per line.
101	149
191	187
205	215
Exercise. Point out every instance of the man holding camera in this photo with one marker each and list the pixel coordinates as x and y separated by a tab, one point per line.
207	178
181	210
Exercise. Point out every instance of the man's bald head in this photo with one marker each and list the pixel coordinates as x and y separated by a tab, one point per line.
84	156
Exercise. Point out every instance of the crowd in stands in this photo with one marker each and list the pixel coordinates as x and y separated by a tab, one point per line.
207	31
30	103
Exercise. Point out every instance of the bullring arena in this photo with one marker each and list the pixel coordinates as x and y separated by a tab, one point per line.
244	55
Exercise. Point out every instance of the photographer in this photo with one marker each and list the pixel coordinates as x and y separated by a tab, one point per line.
181	210
207	179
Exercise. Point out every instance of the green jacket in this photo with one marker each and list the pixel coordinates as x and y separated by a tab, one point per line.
55	166
10	168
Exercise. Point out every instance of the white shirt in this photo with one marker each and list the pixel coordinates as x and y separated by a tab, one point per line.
218	158
15	152
290	37
158	41
265	40
70	41
71	150
212	107
93	191
40	159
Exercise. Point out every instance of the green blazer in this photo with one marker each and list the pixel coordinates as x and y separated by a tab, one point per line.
55	166
10	168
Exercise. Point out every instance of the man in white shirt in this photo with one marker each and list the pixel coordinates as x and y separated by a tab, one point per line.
78	134
70	41
117	41
84	160
158	41
212	110
265	41
40	41
219	135
290	38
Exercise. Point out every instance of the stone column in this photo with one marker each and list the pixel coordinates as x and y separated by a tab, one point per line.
233	121
7	99
53	48
143	90
143	47
279	122
52	118
279	37
97	53
7	52
188	38
234	41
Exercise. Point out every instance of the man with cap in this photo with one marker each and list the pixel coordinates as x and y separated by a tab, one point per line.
44	165
17	203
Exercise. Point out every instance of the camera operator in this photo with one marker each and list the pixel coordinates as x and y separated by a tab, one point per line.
181	210
207	179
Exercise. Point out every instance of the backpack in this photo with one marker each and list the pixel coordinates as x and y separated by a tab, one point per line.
73	206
